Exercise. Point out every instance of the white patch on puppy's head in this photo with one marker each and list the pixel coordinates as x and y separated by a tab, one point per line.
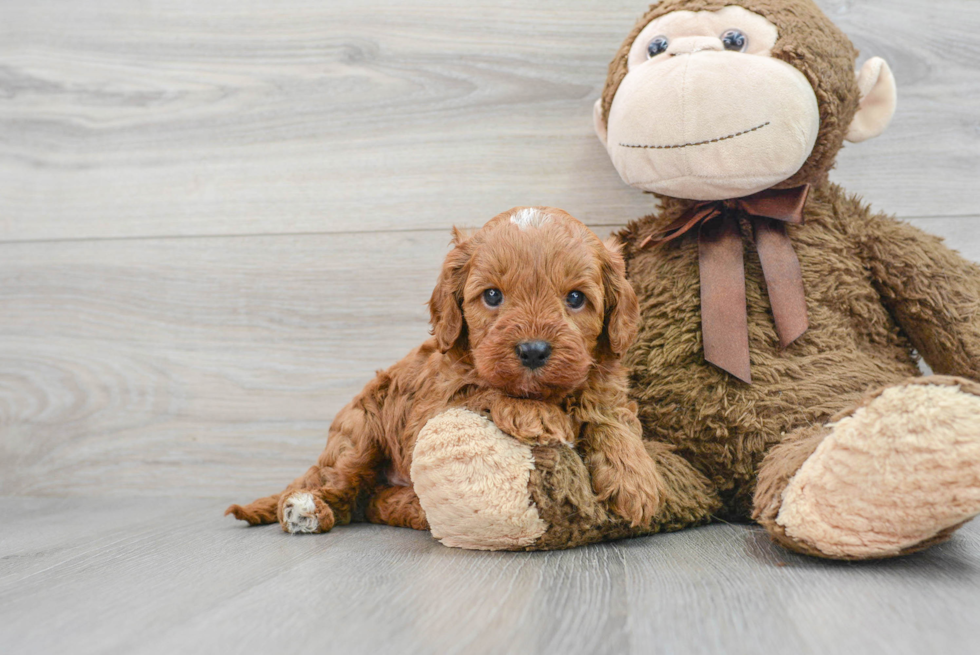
529	217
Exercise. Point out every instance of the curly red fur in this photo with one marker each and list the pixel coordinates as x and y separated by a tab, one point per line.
535	256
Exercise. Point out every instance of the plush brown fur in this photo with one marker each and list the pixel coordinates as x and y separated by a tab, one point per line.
717	429
560	490
880	293
578	398
853	345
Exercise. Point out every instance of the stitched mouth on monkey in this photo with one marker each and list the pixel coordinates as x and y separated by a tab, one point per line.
698	143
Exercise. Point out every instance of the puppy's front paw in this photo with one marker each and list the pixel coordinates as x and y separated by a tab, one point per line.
637	504
301	512
633	492
534	422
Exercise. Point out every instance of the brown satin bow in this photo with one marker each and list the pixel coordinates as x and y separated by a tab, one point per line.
724	322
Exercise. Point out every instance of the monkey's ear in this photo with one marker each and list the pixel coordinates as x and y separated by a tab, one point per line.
446	303
622	309
878	99
598	123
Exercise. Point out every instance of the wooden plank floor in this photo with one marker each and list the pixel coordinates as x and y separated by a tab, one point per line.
169	576
218	219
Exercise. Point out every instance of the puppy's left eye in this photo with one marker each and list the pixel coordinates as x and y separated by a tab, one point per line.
575	299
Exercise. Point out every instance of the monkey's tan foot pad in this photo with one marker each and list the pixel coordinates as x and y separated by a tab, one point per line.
302	513
472	482
899	473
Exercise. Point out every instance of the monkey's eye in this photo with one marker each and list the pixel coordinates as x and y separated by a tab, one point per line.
656	46
735	40
575	299
493	297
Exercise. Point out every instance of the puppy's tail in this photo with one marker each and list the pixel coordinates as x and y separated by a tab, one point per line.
258	512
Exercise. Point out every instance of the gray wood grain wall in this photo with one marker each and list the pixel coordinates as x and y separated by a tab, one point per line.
218	219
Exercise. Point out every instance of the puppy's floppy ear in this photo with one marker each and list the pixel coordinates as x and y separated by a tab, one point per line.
459	236
446	303
622	309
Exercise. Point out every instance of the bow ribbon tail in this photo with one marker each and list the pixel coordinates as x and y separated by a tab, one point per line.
703	211
784	279
724	323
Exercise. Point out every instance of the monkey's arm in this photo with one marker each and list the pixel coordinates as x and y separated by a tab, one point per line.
932	292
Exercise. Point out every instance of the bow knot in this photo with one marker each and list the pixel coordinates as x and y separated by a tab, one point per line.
724	322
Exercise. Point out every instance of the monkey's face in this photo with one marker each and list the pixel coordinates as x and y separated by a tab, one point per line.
705	112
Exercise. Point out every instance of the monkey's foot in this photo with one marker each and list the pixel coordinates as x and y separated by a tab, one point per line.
896	475
472	482
301	512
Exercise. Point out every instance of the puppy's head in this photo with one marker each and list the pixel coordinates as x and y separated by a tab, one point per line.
537	299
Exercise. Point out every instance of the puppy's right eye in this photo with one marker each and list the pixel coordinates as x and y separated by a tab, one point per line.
493	297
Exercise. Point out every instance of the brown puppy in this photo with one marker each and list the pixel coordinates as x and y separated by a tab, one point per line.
529	319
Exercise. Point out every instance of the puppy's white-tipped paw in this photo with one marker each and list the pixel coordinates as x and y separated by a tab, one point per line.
299	514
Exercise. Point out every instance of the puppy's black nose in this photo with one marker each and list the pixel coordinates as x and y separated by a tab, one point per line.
533	354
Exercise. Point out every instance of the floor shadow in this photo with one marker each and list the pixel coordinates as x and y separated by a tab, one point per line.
959	557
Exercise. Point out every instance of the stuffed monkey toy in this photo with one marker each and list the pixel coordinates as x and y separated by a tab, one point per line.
781	319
